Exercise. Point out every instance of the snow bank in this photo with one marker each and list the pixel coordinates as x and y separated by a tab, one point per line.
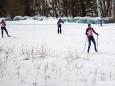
84	20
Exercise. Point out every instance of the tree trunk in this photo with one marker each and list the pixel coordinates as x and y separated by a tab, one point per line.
83	8
113	9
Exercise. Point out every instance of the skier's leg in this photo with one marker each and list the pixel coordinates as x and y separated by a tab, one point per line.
60	30
93	40
6	32
2	32
89	41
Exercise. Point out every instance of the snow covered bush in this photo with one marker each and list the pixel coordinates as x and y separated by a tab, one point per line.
108	20
71	20
72	55
8	19
90	21
35	52
26	17
51	18
35	18
77	18
45	18
40	19
82	21
23	18
17	18
64	19
5	53
98	21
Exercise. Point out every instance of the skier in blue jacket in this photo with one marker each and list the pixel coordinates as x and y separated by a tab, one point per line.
59	23
89	33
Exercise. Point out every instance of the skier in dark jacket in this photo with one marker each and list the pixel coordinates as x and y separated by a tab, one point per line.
89	33
3	28
59	23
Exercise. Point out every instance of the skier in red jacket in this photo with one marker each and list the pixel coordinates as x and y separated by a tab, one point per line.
3	28
89	33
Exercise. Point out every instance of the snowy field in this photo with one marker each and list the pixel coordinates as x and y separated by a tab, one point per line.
37	56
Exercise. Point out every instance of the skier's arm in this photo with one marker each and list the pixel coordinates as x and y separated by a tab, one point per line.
62	21
2	22
86	32
94	31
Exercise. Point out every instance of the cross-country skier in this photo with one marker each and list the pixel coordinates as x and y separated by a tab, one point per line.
3	28
59	23
89	33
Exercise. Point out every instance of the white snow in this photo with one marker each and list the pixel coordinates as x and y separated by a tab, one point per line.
37	56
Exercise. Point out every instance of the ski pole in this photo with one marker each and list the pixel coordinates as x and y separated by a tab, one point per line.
97	42
85	45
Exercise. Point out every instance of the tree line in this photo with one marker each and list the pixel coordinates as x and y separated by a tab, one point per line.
57	8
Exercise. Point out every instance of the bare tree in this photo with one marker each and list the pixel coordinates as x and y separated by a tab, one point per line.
57	8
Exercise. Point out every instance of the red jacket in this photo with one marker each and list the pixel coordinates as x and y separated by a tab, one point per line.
3	24
90	31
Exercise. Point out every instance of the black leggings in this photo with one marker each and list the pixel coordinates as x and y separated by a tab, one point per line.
91	38
59	29
4	29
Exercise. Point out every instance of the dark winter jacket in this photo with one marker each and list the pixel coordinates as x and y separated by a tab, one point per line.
59	22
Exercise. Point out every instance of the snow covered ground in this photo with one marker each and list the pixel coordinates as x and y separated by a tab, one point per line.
37	56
